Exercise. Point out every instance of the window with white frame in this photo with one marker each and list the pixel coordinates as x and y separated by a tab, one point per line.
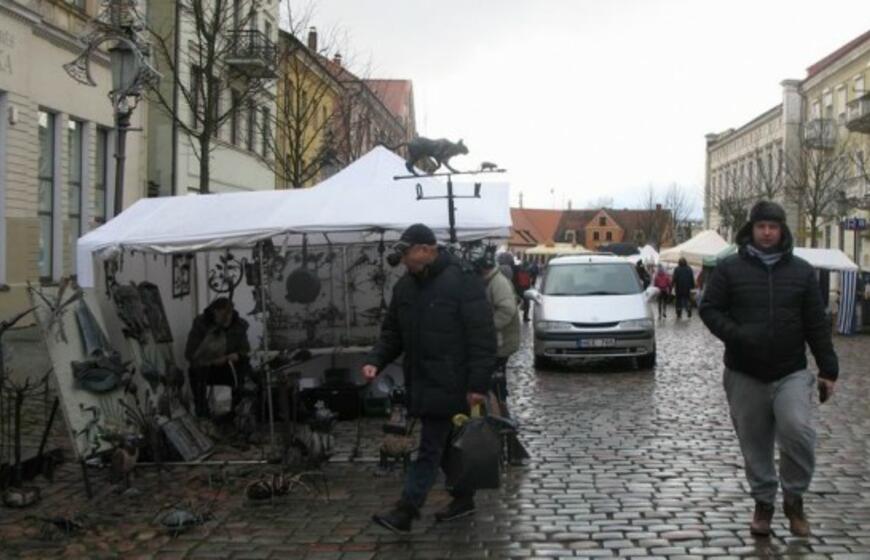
859	86
74	151
45	196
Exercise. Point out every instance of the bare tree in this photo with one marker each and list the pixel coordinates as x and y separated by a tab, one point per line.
816	177
732	199
679	202
306	111
767	178
654	220
218	31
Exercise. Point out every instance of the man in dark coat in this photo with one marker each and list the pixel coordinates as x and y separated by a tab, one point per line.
764	304
440	319
217	350
684	283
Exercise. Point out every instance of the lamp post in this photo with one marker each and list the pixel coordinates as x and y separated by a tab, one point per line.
120	24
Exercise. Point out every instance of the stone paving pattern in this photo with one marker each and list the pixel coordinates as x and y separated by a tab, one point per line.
626	464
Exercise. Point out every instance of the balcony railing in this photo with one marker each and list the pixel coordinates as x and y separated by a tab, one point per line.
858	113
820	134
252	53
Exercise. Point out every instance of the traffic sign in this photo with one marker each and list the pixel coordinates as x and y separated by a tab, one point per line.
859	224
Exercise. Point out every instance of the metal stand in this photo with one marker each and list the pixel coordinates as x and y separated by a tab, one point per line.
265	344
451	207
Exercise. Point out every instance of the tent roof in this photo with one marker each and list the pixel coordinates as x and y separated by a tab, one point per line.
708	243
649	254
828	259
352	206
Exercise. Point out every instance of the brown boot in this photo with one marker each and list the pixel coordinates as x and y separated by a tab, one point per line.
793	506
760	526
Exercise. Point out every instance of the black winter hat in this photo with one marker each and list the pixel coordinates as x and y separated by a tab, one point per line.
767	211
416	234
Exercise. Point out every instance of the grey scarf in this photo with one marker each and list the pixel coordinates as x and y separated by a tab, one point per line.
769	259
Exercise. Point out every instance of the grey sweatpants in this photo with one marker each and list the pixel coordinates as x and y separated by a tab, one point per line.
781	412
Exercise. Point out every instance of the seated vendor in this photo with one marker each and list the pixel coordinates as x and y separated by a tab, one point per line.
217	350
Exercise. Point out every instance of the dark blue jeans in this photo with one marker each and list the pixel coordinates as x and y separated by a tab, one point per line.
434	437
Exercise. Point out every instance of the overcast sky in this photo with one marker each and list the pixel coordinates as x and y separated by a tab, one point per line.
586	98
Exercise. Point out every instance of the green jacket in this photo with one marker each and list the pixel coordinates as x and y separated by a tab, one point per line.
502	297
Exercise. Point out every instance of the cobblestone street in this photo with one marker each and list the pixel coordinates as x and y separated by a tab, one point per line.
625	464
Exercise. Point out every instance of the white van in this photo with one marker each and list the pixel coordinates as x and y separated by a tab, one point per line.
592	306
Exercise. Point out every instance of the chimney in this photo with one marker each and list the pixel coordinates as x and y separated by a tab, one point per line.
312	39
337	59
658	207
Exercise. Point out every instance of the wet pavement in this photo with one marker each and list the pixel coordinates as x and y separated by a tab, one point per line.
632	464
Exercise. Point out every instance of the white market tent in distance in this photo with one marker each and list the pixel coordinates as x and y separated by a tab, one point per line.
649	254
353	206
708	243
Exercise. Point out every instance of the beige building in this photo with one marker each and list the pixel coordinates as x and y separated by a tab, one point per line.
823	118
241	156
56	145
837	122
750	163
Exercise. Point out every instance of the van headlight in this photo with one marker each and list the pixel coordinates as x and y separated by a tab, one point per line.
637	324
552	326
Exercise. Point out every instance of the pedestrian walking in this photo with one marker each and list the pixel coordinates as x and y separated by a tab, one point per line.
764	304
684	283
662	281
506	318
440	319
642	274
523	282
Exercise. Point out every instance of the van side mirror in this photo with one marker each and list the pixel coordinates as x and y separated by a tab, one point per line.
532	295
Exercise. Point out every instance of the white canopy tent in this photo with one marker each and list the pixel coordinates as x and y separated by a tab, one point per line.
649	255
354	205
828	259
706	244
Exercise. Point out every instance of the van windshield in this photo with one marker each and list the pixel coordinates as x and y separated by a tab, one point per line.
588	279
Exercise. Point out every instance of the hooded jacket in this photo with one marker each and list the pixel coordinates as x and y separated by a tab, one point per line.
506	315
443	324
766	316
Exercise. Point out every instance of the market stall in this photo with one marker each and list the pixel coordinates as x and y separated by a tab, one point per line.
706	244
305	270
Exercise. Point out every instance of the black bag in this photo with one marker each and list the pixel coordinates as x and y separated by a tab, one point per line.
472	460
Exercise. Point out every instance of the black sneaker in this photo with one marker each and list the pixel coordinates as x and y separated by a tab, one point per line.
398	519
458	507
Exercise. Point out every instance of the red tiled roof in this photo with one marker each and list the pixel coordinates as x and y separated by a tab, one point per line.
534	226
837	54
396	95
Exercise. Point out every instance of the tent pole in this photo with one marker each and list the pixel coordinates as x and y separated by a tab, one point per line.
265	344
346	295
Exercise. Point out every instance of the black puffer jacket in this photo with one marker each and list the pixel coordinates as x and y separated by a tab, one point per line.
767	316
684	281
443	323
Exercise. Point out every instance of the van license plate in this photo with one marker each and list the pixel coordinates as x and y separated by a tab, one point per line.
597	342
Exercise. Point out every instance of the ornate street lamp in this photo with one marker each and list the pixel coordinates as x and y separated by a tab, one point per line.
120	24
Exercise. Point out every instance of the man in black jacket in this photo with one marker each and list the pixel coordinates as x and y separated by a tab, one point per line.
684	283
440	319
765	304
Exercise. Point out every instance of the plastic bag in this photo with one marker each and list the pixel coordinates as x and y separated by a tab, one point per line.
472	460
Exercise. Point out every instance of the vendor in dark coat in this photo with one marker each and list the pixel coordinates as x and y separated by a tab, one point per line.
684	283
217	350
440	319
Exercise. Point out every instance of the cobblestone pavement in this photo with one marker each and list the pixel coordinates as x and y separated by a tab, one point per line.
626	464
